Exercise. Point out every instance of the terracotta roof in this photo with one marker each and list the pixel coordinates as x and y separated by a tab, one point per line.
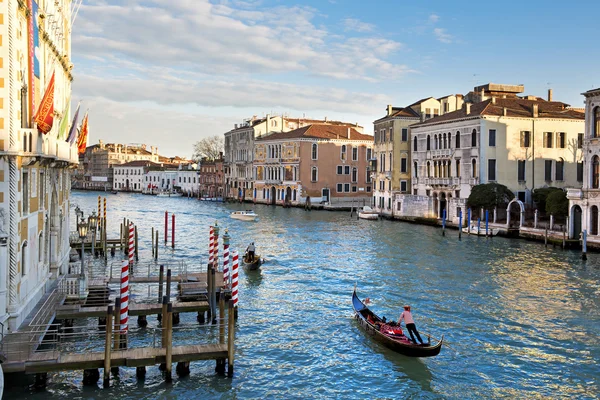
137	163
420	101
515	107
320	131
405	112
591	92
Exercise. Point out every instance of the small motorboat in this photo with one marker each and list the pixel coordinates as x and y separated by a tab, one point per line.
368	213
252	264
247	215
114	192
168	194
391	336
480	230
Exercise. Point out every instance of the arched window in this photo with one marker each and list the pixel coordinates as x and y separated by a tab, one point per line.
474	168
596	122
40	247
435	142
24	260
390	161
428	169
560	169
595	172
458	168
416	169
294	195
415	144
457	140
343	153
428	142
449	140
474	138
444	141
24	142
315	152
314	174
31	140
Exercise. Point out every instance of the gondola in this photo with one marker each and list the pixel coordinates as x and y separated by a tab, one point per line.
394	341
253	264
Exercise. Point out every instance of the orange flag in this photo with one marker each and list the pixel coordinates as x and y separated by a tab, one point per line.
45	115
83	133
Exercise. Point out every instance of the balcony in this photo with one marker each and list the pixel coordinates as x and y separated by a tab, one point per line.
443	153
574	194
33	144
273	181
273	160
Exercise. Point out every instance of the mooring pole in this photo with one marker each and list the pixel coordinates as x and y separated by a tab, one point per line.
460	224
230	339
166	225
169	350
584	246
213	294
487	223
163	340
173	231
137	258
469	221
156	247
108	345
444	222
222	319
546	237
152	241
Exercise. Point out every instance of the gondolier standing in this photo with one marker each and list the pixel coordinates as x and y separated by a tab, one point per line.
410	324
250	251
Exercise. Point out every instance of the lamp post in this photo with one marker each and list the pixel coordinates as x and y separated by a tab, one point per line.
82	228
93	224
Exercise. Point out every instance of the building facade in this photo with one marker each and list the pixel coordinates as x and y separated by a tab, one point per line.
584	200
34	167
320	163
520	142
212	179
130	176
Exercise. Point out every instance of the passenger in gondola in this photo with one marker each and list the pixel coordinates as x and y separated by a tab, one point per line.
250	251
410	324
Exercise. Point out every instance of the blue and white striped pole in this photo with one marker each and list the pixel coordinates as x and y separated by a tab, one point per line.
487	222
459	224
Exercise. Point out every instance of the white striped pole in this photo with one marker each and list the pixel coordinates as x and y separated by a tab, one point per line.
234	279
226	259
211	243
124	295
131	233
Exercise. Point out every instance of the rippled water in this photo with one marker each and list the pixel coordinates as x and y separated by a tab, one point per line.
520	320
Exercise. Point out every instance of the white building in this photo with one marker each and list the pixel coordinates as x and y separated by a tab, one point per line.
130	177
160	180
188	179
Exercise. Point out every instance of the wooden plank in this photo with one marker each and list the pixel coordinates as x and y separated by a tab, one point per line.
135	309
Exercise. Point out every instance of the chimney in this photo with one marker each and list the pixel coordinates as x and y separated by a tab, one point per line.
325	119
268	121
235	126
468	108
504	111
493	100
482	94
348	133
389	109
549	94
422	116
535	111
101	143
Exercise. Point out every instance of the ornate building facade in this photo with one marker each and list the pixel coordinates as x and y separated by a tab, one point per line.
35	46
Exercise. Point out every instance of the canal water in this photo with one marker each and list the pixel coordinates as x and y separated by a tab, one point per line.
520	320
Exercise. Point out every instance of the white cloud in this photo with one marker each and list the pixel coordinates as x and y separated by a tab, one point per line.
442	35
352	24
433	18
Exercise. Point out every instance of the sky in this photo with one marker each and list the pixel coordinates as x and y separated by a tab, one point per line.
169	72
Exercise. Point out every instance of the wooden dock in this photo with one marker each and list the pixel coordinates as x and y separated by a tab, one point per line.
76	311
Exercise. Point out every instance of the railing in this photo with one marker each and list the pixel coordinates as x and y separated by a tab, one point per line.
443	153
270	160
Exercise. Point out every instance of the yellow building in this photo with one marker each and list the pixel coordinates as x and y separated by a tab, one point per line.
34	167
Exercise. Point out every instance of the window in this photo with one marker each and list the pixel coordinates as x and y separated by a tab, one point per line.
560	140
428	142
404	135
443	141
428	169
403	165
521	196
24	259
428	113
521	170
474	138
315	151
340	187
314	174
403	186
474	168
560	168
596	122
355	154
368	176
354	189
347	170
340	169
548	170
416	169
525	139
391	161
458	168
391	138
580	140
580	172
449	140
548	136
347	187
595	172
369	153
354	175
25	191
415	144
457	140
492	137
368	189
343	153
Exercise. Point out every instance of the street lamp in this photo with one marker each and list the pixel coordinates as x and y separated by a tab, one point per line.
93	223
82	228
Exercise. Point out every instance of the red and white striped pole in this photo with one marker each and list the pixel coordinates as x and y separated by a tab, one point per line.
226	238
211	243
131	246
234	279
124	295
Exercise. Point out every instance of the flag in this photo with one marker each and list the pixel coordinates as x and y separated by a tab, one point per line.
83	133
73	131
45	115
64	122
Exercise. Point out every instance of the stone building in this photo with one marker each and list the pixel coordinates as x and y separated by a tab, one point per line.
328	163
584	199
34	167
212	178
130	176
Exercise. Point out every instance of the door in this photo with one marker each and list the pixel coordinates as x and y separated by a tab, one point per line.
325	194
576	217
273	196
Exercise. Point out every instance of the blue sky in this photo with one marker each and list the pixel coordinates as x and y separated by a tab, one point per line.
169	72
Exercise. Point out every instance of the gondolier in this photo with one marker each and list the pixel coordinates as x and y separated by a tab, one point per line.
410	324
250	251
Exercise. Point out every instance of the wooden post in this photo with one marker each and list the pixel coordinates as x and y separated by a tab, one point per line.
169	350
161	278
166	225
584	245
209	289
230	339
564	244
546	237
136	244
121	236
156	247
222	319
152	241
163	341
213	294
168	285
444	222
105	242
173	231
460	224
107	346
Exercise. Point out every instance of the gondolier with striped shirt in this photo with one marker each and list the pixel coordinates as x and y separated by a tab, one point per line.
410	324
251	250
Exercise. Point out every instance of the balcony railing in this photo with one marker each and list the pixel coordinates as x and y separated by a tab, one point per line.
443	153
34	144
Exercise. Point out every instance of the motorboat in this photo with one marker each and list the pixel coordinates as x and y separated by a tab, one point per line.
480	230
247	215
168	194
368	213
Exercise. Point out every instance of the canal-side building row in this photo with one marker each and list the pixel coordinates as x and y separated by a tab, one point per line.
34	167
318	163
212	173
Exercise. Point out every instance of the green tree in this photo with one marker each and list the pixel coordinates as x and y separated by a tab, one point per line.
557	203
489	195
540	196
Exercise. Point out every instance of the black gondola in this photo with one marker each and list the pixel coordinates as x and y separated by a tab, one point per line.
397	342
253	264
